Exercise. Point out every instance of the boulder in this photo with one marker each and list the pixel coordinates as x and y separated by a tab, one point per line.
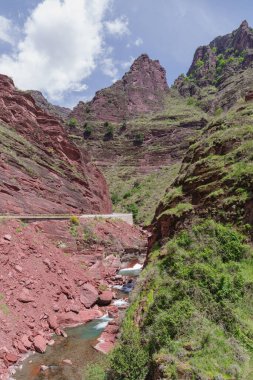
40	344
44	368
67	361
105	298
73	319
18	268
7	237
10	358
25	296
89	295
104	347
26	342
52	322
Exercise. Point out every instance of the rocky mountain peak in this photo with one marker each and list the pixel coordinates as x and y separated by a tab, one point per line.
244	25
240	39
218	61
141	90
6	83
146	70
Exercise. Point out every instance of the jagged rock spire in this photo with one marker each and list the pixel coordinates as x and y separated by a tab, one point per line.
244	24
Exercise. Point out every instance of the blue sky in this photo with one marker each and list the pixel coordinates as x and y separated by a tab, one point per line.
69	49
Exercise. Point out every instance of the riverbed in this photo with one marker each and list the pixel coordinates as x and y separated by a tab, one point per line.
77	347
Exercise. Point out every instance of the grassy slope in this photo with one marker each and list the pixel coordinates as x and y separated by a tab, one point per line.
194	310
139	193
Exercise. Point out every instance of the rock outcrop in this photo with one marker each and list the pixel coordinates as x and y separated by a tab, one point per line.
45	271
41	170
221	72
56	111
235	49
142	89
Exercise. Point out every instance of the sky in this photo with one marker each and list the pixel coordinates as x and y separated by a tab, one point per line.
69	49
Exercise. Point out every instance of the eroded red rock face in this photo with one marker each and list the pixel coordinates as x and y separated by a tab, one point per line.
57	111
40	169
42	284
140	90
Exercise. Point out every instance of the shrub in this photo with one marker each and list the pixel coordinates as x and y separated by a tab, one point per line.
192	101
88	128
127	195
130	357
95	372
138	138
74	220
133	208
109	131
200	63
72	122
115	198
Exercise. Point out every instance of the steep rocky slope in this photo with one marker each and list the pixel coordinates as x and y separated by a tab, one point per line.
221	72
139	137
55	274
191	317
215	178
42	171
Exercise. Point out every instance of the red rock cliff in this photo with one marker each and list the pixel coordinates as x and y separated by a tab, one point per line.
40	169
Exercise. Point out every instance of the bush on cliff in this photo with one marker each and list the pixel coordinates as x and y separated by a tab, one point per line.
130	358
109	131
195	314
72	122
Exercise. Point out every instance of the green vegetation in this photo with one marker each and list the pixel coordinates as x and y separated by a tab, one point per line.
200	63
138	138
139	193
72	122
87	130
191	101
178	210
89	235
109	131
130	358
4	308
74	220
74	223
196	306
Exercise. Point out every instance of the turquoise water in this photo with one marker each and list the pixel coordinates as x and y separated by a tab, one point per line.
77	347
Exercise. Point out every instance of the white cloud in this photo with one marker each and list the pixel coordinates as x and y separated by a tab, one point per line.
118	27
62	41
6	28
138	42
109	68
